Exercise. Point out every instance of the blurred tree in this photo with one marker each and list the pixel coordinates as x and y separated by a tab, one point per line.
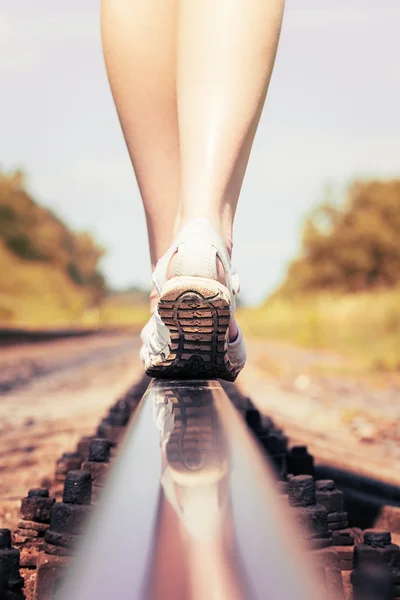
351	247
33	233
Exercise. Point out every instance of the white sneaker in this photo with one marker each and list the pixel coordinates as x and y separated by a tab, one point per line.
187	335
196	458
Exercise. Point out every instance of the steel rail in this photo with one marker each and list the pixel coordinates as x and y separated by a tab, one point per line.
190	510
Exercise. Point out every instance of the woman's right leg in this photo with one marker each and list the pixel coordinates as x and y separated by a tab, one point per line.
226	52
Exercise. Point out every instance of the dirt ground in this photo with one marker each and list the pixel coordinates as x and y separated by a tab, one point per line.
349	422
55	392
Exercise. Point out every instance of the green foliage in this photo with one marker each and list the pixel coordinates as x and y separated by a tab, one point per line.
43	259
352	247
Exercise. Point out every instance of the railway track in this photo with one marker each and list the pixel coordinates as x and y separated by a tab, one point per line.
185	501
10	336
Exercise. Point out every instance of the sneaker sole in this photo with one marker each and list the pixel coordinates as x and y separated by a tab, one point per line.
196	450
196	311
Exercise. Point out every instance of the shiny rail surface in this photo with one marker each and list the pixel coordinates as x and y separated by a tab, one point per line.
190	510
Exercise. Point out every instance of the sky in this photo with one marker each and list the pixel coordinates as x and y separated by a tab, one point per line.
332	115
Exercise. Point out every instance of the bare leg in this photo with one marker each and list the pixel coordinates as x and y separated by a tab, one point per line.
139	41
226	51
189	82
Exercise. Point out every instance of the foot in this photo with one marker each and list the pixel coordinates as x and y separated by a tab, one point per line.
192	331
155	296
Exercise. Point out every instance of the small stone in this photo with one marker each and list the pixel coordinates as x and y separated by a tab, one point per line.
366	433
33	525
302	382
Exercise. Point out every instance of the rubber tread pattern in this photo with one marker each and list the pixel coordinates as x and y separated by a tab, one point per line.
198	327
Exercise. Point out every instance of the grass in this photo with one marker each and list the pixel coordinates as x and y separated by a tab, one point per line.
365	327
114	312
39	294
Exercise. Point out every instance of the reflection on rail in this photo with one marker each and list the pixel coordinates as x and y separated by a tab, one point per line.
190	511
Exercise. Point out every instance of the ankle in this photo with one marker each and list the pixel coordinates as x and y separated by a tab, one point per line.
223	230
